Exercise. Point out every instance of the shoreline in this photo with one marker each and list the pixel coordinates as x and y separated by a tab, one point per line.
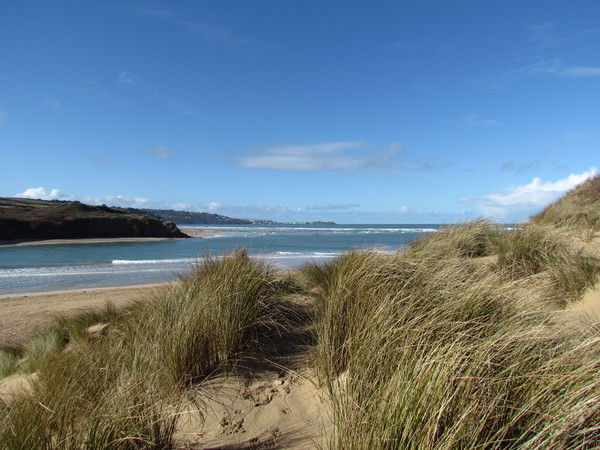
192	233
22	316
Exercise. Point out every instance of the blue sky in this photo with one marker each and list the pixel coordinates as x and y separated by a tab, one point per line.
356	112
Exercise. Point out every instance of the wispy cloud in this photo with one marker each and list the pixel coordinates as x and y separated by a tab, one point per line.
542	33
546	34
325	211
331	156
577	135
474	120
516	203
401	45
523	167
159	13
128	79
542	67
3	115
581	71
131	81
104	161
208	33
331	207
422	87
55	104
159	152
551	54
182	108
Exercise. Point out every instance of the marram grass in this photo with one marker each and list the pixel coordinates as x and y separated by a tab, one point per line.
122	390
432	349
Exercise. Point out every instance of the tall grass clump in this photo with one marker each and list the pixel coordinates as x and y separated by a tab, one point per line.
206	318
433	349
541	249
351	280
122	390
474	239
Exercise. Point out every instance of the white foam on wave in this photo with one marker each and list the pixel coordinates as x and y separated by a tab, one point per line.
153	261
298	255
253	231
68	273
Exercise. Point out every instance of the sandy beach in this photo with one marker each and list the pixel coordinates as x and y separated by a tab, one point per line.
22	316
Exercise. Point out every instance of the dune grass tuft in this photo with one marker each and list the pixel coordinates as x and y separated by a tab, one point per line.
541	249
469	240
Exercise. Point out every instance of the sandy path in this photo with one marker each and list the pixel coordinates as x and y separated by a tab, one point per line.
23	316
271	398
274	411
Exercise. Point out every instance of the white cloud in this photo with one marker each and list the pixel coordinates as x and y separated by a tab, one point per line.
43	194
519	202
110	200
331	156
118	200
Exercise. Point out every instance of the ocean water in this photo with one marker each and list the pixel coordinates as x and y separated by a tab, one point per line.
45	268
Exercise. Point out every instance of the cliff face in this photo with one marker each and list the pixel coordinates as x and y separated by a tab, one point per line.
37	219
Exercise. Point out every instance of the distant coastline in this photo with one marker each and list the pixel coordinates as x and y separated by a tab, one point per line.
27	219
204	218
29	222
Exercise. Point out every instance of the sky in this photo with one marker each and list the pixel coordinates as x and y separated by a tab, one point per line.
302	110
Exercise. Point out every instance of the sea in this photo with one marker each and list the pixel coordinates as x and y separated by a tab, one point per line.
56	267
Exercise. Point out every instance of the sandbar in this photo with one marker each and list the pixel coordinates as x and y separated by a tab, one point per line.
194	233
